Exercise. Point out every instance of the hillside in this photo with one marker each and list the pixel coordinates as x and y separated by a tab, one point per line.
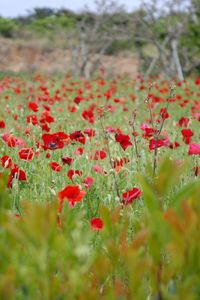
19	56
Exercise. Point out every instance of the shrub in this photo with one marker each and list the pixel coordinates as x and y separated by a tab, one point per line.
7	27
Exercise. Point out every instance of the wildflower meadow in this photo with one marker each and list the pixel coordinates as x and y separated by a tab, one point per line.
99	188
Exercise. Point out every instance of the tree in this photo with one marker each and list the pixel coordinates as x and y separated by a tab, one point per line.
166	28
94	34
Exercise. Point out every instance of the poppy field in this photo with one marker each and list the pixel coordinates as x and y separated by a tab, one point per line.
99	188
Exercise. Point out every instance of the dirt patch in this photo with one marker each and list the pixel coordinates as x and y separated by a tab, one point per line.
30	57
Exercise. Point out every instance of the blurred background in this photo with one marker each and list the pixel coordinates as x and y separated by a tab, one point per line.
111	37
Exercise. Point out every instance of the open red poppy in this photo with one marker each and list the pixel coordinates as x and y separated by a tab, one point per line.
97	223
6	161
55	140
26	154
131	195
123	139
55	166
71	193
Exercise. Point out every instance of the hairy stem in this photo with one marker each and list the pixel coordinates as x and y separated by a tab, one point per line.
110	159
134	140
157	132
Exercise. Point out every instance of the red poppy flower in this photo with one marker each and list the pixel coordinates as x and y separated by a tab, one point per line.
2	124
28	131
98	169
10	140
153	144
77	136
48	155
26	154
6	161
79	151
45	127
130	196
71	193
67	160
187	135
143	126
72	108
54	141
110	129
71	173
164	113
55	166
16	173
97	223
183	122
194	149
99	154
123	139
33	106
46	107
90	132
149	132
197	81
118	100
88	181
46	117
174	145
20	142
78	99
88	115
32	119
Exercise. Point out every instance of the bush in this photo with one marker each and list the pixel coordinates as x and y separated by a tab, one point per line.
7	27
51	24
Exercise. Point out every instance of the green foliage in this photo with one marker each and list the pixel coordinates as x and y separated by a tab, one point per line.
119	46
5	201
41	259
42	12
51	24
7	27
191	40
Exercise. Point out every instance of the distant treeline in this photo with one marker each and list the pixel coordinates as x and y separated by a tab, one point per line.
48	22
39	20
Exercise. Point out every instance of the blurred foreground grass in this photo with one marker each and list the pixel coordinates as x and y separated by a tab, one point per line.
155	255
